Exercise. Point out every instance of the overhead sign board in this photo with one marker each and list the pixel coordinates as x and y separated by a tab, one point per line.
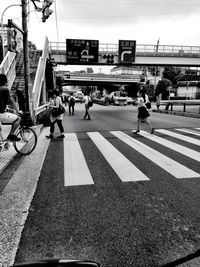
82	51
126	51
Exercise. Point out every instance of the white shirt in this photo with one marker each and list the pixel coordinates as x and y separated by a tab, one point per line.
86	99
140	102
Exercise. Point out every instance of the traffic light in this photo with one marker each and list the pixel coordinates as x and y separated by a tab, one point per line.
12	39
67	76
46	12
108	58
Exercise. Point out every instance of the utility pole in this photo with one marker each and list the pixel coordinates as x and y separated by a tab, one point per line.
25	51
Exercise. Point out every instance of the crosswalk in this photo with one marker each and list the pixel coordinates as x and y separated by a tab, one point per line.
77	171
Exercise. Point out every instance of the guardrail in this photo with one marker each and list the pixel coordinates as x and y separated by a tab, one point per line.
100	101
171	103
39	79
141	49
41	109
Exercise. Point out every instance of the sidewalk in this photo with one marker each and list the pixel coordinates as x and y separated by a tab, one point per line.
7	156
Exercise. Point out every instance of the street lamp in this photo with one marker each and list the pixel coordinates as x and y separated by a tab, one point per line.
2	28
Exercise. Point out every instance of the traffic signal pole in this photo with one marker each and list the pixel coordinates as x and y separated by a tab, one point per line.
2	27
25	52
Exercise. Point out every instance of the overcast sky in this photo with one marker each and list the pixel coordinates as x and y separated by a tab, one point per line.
174	22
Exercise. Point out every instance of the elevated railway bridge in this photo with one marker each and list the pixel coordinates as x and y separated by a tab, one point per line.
100	79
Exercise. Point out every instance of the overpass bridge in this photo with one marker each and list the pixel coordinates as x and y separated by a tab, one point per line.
146	55
100	79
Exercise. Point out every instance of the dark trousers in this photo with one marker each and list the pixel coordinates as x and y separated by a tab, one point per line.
87	112
60	126
71	109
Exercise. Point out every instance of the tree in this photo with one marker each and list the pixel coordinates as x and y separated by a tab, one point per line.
161	88
31	46
171	74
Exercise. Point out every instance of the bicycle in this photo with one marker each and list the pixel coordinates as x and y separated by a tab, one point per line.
27	143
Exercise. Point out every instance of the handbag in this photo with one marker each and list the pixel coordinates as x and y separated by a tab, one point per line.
58	111
148	105
90	103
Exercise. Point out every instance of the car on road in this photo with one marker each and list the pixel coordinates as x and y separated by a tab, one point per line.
79	96
131	101
117	98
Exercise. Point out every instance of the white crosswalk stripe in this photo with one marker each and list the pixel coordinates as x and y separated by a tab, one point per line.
75	166
189	131
172	145
174	168
121	165
77	171
180	136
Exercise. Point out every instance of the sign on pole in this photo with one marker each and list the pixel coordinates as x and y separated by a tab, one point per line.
127	51
82	51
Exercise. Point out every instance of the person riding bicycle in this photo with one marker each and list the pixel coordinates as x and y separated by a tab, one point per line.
8	117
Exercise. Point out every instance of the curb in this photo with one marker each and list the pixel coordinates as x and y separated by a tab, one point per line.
178	113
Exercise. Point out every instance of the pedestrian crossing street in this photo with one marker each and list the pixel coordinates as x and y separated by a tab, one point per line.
185	142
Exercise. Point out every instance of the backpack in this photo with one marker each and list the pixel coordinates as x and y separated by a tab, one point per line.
90	102
72	101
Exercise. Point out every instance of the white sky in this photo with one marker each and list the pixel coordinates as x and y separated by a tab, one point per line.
146	21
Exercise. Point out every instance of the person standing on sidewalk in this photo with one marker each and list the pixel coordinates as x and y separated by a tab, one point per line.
54	103
158	99
71	104
143	114
7	117
86	99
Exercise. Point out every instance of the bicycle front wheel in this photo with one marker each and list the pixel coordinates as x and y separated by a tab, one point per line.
28	141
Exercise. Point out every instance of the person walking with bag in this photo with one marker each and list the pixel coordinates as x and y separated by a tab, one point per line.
55	104
71	104
87	99
143	114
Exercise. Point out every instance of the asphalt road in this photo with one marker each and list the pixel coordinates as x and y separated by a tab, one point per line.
117	222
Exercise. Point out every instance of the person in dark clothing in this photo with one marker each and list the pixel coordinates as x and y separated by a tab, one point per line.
21	100
7	117
71	104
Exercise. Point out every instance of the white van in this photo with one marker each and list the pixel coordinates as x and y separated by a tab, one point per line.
79	95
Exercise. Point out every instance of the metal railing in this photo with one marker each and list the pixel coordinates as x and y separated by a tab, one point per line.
39	81
141	49
184	103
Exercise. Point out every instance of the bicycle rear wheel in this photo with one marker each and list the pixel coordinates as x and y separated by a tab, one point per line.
28	141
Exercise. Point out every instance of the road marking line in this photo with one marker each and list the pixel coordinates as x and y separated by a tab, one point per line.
171	166
180	136
172	145
121	165
189	131
76	171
